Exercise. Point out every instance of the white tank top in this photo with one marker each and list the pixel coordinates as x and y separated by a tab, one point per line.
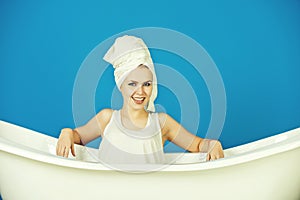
120	145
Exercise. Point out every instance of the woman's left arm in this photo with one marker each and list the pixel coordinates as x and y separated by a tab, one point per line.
177	134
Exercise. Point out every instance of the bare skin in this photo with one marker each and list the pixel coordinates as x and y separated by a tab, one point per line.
136	91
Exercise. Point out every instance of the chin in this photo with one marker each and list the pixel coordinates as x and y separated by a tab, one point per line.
138	107
135	106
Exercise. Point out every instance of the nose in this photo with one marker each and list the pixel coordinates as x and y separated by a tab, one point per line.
140	89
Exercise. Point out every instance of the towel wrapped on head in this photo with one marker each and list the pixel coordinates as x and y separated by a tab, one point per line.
126	54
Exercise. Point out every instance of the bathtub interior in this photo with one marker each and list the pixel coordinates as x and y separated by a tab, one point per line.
33	141
30	140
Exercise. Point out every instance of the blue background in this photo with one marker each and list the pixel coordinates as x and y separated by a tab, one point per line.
255	44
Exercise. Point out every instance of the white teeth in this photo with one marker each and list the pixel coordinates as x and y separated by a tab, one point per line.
138	98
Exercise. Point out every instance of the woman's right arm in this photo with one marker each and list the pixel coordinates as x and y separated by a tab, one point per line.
66	141
82	135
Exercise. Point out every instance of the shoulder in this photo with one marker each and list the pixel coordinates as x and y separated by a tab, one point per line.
167	124
105	115
165	120
106	111
162	117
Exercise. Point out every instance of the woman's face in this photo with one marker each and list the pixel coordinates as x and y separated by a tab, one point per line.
137	88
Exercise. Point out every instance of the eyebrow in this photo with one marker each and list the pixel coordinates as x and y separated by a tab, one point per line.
137	81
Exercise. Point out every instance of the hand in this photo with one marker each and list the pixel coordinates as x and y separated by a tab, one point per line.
65	143
213	148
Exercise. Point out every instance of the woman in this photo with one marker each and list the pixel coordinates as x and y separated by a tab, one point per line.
135	133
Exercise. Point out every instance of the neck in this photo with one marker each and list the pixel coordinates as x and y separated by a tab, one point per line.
133	114
133	119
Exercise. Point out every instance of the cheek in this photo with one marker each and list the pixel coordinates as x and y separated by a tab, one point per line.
148	90
127	92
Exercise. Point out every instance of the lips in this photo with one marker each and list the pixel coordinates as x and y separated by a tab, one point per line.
138	100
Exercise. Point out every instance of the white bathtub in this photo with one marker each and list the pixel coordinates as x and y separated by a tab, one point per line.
267	169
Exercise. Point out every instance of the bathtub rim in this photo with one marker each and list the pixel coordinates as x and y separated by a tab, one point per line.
269	150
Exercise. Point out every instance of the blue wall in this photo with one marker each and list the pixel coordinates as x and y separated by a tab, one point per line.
255	44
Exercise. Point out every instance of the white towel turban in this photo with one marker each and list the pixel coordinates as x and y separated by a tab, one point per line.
126	54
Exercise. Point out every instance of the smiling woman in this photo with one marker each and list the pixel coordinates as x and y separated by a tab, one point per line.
134	134
137	87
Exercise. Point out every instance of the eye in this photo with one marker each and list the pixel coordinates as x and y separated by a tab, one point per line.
147	84
132	84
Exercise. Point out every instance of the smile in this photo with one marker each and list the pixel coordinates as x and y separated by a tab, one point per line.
138	100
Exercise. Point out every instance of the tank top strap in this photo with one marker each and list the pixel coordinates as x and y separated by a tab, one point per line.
110	123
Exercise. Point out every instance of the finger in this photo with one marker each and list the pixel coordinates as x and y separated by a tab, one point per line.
208	157
73	150
221	151
213	157
57	149
61	150
66	152
222	154
204	146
